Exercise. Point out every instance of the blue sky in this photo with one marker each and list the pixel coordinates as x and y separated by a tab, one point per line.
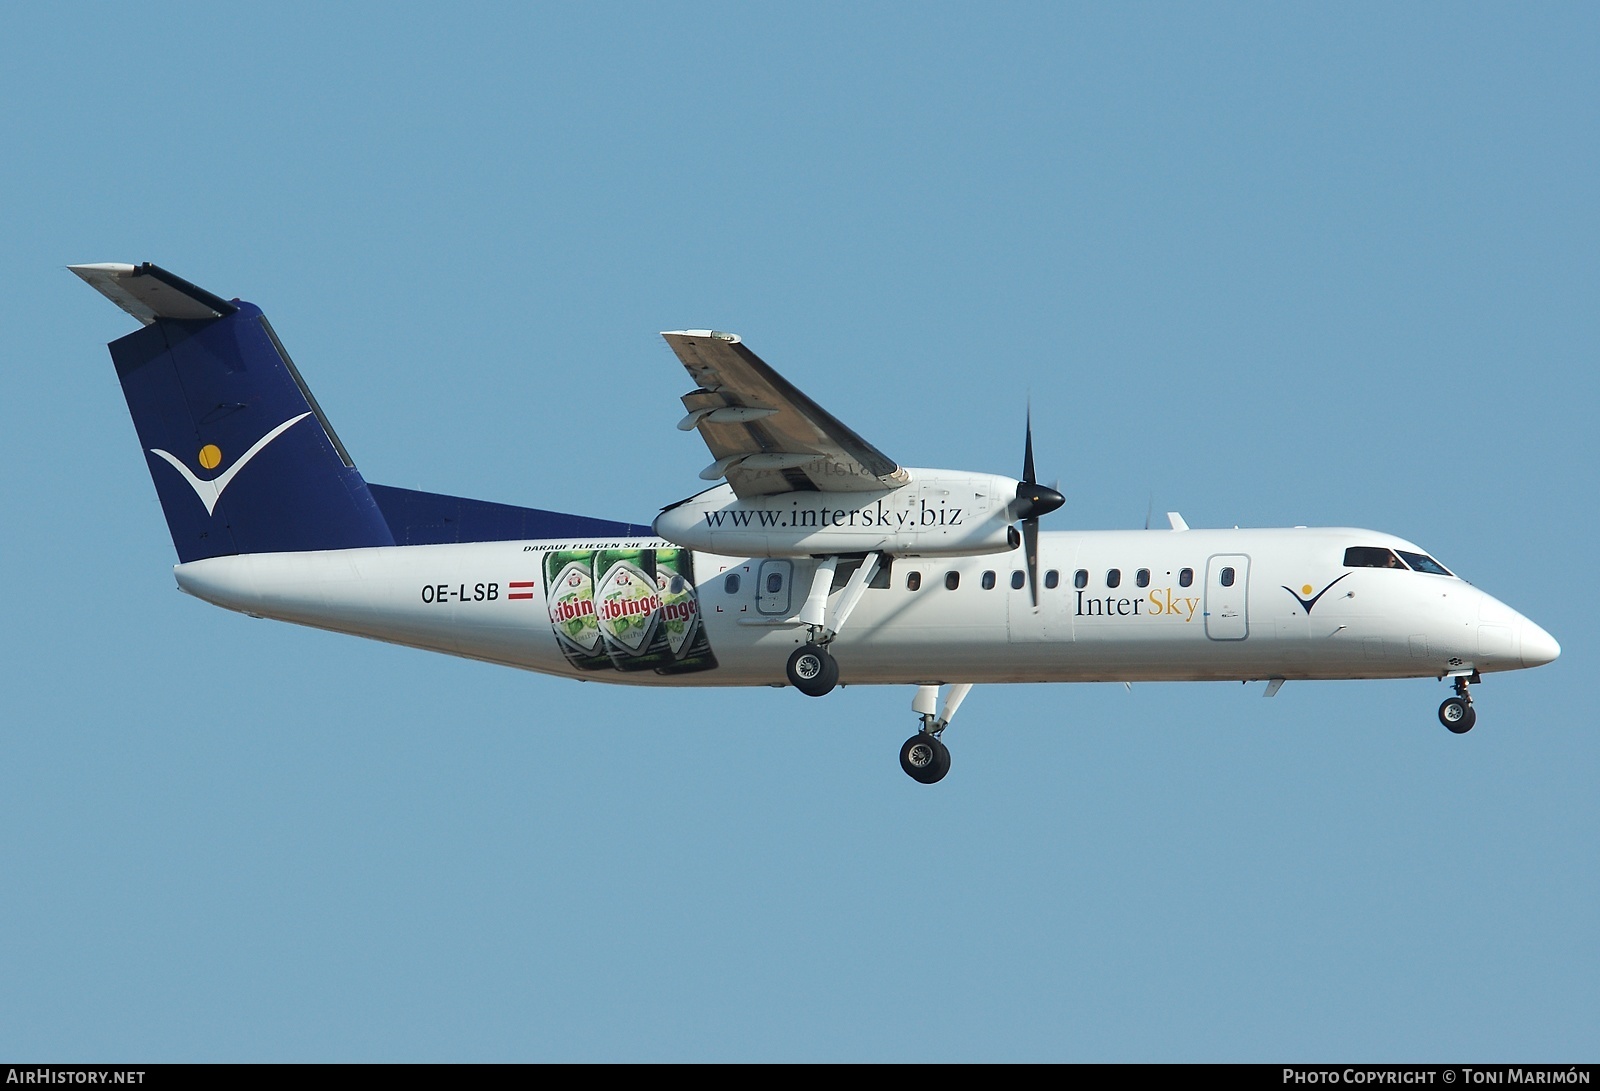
1262	264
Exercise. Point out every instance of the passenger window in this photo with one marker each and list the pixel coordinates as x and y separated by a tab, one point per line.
1080	578
774	582
731	584
988	581
1186	577
913	581
952	580
1142	577
1227	577
1017	580
1114	578
1051	579
1370	557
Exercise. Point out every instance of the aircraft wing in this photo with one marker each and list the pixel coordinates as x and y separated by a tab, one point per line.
765	435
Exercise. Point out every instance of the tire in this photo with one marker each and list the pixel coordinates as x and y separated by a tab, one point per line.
832	672
924	758
812	670
1458	715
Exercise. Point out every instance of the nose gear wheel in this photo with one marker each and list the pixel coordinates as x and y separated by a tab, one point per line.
1457	715
924	758
1457	712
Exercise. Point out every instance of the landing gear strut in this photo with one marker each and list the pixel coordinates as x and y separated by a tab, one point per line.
811	669
1457	712
924	757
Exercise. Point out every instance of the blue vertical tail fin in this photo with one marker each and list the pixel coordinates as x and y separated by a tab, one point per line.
242	458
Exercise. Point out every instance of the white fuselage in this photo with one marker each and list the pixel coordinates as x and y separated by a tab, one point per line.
1241	613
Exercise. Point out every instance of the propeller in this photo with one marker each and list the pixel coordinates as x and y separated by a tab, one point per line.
1033	500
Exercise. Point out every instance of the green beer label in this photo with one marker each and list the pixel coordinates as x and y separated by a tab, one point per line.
680	614
569	590
628	609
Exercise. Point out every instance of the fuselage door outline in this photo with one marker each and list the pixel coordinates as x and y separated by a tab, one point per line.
1227	604
772	587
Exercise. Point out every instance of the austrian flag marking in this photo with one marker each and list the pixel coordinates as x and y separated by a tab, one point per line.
523	590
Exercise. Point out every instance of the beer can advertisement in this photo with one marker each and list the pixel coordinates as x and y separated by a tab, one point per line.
629	609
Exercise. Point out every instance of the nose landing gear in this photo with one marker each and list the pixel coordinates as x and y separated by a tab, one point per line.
1457	713
923	756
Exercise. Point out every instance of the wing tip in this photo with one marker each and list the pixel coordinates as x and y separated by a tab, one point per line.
121	268
713	335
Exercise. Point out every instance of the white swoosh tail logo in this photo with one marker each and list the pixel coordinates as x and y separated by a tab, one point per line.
210	492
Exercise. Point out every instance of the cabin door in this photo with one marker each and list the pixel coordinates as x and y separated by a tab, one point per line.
1227	596
772	587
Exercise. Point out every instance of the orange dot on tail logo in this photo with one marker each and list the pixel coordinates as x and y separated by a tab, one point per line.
210	456
1305	589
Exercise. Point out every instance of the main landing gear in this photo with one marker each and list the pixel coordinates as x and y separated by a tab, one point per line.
1457	713
811	669
924	756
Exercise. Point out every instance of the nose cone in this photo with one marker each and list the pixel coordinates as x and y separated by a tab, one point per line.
1538	647
1034	500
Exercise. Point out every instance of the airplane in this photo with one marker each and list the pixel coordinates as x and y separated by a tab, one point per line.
811	560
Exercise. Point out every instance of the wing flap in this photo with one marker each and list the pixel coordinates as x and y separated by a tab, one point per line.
765	435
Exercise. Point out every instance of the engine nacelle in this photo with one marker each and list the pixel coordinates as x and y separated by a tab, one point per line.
938	513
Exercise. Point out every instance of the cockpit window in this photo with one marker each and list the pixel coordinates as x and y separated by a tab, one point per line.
1424	563
1371	557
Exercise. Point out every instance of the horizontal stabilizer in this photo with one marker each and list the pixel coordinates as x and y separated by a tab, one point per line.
149	292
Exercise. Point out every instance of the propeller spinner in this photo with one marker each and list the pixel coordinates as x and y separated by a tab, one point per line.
1033	500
